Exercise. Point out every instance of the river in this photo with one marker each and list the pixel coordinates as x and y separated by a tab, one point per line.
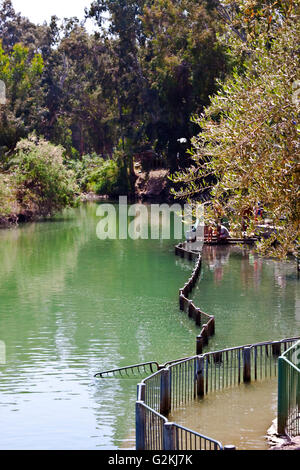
72	305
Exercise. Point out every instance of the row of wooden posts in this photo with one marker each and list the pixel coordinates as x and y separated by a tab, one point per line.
206	321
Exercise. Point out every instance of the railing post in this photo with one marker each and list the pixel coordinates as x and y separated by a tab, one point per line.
165	391
169	436
199	345
276	348
247	364
200	376
141	392
282	411
140	425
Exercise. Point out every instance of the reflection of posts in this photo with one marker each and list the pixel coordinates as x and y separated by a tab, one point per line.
2	92
2	353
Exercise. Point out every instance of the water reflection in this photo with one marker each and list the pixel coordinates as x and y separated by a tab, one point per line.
72	305
253	299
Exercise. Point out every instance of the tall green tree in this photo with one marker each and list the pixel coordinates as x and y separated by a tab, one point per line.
182	60
247	152
21	112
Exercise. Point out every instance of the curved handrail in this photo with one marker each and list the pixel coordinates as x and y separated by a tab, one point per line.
132	368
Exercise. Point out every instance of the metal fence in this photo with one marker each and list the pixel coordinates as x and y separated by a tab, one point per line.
181	382
289	392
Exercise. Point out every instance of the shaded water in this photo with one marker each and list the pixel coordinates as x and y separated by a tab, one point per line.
253	299
238	416
72	305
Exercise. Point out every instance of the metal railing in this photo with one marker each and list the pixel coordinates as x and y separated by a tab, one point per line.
288	419
186	439
132	371
183	381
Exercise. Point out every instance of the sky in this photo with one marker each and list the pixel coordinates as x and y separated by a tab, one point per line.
38	11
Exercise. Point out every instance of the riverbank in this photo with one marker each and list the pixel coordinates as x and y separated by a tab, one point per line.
278	442
149	186
153	185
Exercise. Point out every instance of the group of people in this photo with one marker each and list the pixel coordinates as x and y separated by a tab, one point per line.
221	233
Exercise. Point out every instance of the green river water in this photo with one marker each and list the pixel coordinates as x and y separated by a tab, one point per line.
72	305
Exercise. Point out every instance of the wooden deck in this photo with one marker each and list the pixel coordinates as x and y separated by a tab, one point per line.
230	241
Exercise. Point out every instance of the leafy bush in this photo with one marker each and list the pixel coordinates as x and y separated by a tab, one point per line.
7	198
103	177
84	169
44	184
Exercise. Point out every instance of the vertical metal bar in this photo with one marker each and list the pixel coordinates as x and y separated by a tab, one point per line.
140	425
200	376
239	366
247	364
165	392
282	412
255	362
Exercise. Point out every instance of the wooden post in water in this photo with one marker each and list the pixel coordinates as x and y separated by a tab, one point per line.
190	308
198	317
247	364
181	301
212	328
199	344
205	334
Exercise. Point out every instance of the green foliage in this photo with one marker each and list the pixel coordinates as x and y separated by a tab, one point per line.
182	59
21	76
140	81
7	198
103	177
44	185
248	149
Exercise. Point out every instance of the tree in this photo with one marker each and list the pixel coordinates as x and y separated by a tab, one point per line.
182	60
247	152
80	96
44	184
21	112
